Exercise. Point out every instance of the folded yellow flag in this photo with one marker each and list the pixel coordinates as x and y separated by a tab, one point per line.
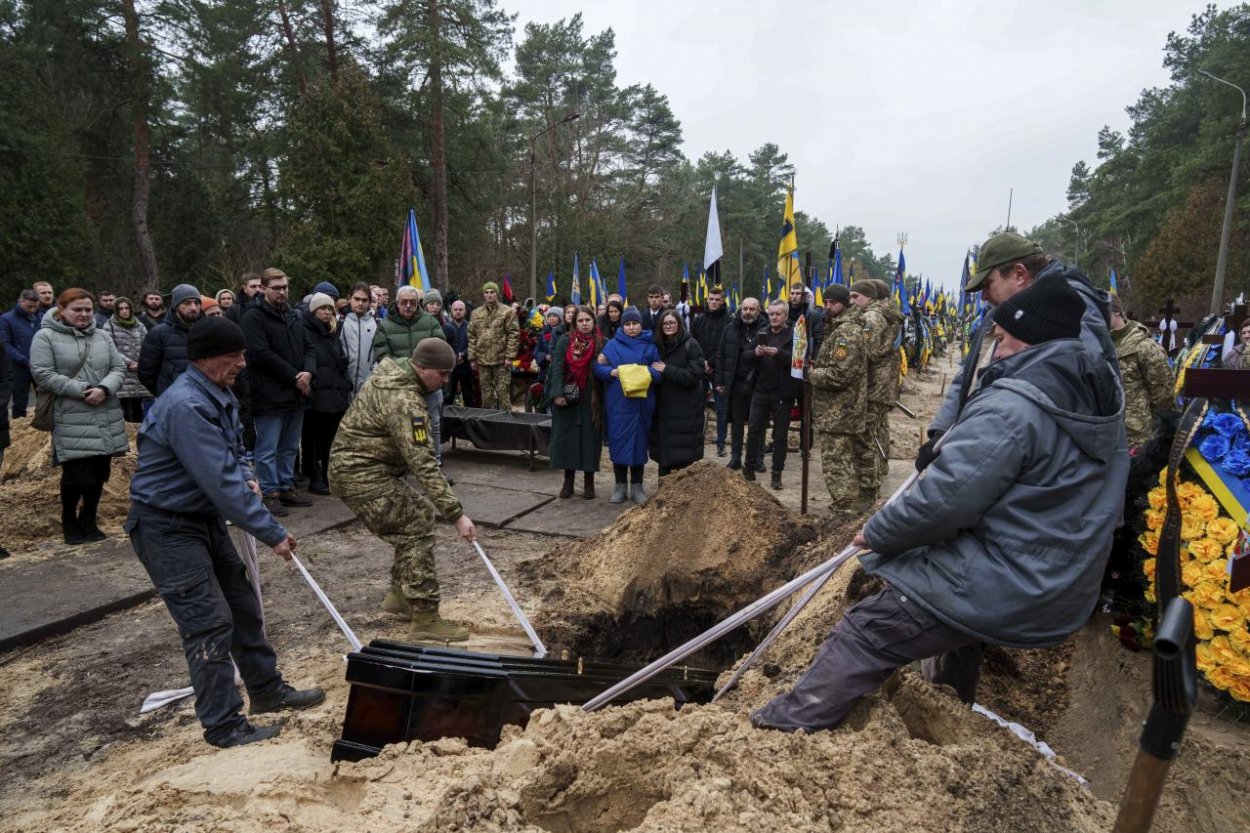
635	380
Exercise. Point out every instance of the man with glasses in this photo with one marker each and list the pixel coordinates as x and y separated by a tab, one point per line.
282	364
774	392
732	373
357	334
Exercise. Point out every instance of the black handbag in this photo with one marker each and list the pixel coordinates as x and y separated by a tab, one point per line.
572	393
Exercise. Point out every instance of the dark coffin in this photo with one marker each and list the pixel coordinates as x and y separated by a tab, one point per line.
494	430
403	692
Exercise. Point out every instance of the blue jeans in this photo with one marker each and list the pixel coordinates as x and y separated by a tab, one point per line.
277	443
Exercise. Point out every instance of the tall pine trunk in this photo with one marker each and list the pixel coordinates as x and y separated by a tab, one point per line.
332	53
143	150
438	150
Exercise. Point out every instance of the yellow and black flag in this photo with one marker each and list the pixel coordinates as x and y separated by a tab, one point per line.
789	270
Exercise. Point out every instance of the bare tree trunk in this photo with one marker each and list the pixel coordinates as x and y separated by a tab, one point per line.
292	50
143	151
438	150
332	56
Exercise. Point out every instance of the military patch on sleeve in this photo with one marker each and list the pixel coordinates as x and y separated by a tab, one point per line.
840	349
419	434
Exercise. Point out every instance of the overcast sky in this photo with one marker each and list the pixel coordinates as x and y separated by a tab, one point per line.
899	116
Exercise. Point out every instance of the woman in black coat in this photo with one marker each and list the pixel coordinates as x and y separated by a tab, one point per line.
576	427
676	438
331	391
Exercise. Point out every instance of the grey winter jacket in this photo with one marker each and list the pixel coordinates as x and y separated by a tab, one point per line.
78	429
129	342
357	335
1006	534
1095	335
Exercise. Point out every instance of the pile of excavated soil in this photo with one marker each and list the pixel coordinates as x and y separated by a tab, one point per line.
30	502
909	759
706	544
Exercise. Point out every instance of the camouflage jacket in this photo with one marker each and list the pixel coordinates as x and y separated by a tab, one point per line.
1147	381
878	350
894	323
494	334
385	435
840	376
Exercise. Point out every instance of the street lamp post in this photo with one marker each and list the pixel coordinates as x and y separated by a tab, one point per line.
573	115
1221	263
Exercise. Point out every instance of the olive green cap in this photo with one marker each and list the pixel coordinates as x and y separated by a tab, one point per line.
1000	250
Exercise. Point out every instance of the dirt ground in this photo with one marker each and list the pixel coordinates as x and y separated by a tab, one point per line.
77	755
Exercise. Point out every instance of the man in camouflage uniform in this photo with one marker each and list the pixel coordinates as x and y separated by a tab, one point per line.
494	334
1146	376
870	459
384	436
839	394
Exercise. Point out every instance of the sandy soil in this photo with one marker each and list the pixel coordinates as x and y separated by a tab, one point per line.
77	756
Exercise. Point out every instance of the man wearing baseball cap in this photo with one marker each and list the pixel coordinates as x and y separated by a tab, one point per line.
384	436
1007	264
1004	537
192	476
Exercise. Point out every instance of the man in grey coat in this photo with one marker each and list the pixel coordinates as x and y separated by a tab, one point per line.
1004	536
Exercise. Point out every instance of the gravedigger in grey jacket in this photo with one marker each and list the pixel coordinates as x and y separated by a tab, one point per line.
1003	538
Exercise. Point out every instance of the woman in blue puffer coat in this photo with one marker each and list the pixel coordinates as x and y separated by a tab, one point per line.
628	419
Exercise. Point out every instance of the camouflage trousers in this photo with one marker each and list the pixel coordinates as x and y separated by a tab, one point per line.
405	520
837	463
495	381
870	466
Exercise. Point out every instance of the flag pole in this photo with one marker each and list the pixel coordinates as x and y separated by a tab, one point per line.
805	413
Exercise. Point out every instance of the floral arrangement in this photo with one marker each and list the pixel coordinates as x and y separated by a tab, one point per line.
1209	537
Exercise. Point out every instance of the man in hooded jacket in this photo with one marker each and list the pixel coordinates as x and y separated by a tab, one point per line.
163	356
1004	536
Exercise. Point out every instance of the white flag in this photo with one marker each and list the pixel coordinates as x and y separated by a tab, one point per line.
712	249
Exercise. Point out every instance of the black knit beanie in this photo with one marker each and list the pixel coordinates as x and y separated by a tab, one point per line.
838	292
214	336
1047	310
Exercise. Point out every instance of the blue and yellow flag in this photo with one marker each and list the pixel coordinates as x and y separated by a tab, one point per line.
900	285
620	283
1114	290
575	289
412	270
551	287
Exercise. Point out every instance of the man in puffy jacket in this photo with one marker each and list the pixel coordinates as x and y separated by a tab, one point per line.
164	354
1004	536
17	329
707	329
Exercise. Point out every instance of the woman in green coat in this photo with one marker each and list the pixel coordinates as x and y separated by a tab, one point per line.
576	427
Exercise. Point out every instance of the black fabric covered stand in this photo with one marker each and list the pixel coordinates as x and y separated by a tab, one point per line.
494	430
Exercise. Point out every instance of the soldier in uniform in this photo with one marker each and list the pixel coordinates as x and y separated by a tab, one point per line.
888	394
839	393
878	345
494	334
1146	376
384	436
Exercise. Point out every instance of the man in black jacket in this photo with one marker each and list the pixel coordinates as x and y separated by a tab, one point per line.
707	330
801	303
282	364
774	393
163	357
655	306
250	295
732	374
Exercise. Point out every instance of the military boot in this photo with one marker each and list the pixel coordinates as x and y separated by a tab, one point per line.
396	603
428	626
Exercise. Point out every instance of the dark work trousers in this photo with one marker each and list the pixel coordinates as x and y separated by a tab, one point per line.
766	408
200	577
738	411
21	391
461	379
720	405
318	435
873	639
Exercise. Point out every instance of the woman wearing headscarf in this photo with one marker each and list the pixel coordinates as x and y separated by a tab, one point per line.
83	370
575	403
331	391
676	438
628	418
127	332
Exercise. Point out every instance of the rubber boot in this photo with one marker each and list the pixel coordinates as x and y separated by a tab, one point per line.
776	480
618	493
566	491
428	626
639	494
396	603
588	485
